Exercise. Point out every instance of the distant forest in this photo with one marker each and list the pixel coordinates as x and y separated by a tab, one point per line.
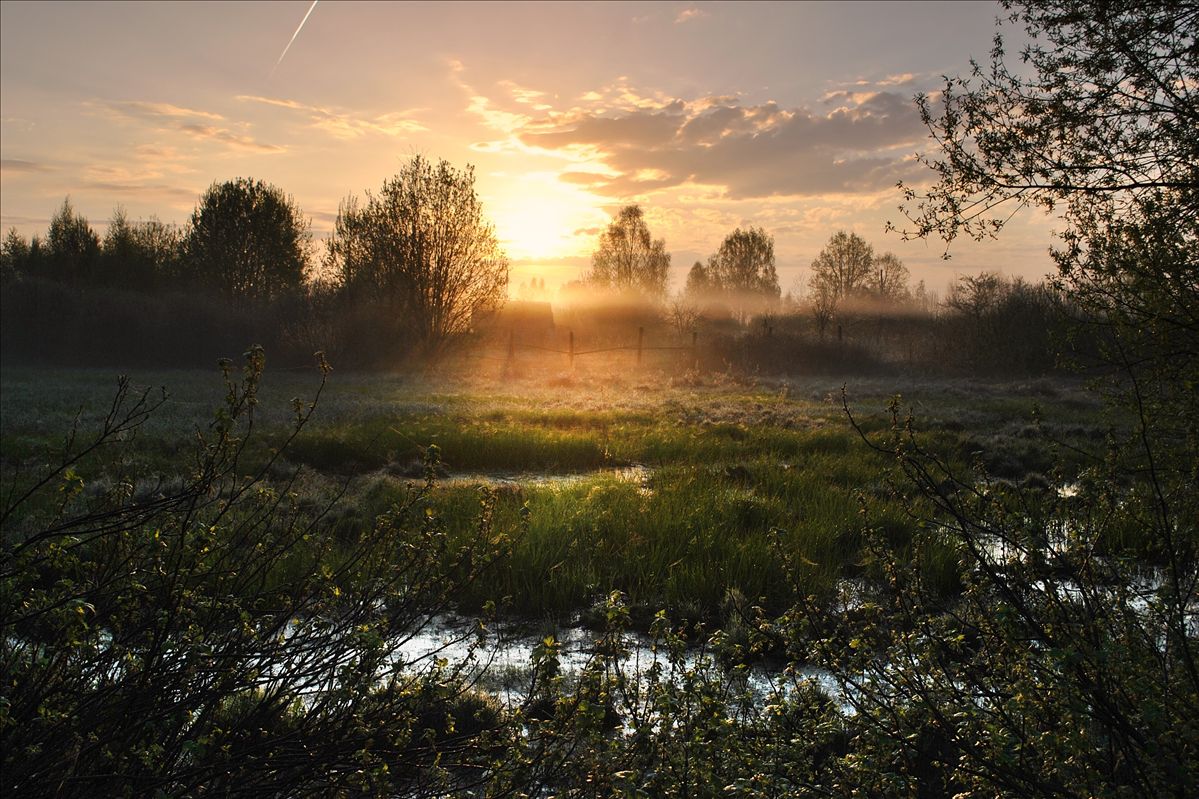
416	272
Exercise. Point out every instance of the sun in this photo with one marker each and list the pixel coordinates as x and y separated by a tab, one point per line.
541	219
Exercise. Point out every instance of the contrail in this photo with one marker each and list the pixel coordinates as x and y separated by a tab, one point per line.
292	41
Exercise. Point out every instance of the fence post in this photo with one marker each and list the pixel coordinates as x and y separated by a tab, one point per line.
572	350
511	349
695	349
640	342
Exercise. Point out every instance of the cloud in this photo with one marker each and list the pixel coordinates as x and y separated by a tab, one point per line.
625	142
489	112
344	125
140	109
862	145
162	156
19	165
689	14
188	121
526	96
212	133
495	117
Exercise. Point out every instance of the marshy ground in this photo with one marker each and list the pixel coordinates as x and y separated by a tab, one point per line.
679	490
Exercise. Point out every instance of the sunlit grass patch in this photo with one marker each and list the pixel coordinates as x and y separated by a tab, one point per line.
675	494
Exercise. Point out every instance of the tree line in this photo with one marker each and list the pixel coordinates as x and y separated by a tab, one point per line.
403	270
416	265
857	311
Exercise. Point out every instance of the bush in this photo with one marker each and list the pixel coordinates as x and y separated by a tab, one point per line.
212	634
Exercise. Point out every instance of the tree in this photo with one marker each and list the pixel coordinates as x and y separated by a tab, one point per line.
743	269
998	323
422	250
248	241
683	316
843	267
138	255
823	305
888	278
72	247
1097	125
975	295
744	264
699	284
628	258
1061	670
14	256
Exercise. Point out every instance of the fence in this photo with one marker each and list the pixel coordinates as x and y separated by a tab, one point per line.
766	348
509	354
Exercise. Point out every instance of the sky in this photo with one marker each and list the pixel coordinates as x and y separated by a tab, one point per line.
796	117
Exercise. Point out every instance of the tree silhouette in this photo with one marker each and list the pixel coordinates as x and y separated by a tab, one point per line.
888	277
699	282
744	264
628	258
422	250
14	255
843	267
139	255
248	241
72	247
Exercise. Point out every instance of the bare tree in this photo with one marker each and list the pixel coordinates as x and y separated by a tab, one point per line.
843	267
743	268
823	304
745	263
628	258
683	316
888	277
975	295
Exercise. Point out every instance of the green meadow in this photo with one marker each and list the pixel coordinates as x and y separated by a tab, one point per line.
680	491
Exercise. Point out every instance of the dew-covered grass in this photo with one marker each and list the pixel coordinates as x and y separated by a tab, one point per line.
672	490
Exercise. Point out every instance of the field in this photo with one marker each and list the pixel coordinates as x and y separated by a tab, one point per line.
681	490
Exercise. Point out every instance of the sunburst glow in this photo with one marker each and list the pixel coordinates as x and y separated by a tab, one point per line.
540	218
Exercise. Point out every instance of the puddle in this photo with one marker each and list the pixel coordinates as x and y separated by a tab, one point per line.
635	473
501	662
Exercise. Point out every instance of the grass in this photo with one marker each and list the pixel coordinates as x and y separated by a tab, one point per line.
735	475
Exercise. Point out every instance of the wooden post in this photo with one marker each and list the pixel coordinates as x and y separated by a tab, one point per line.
695	349
838	334
572	350
640	343
511	349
